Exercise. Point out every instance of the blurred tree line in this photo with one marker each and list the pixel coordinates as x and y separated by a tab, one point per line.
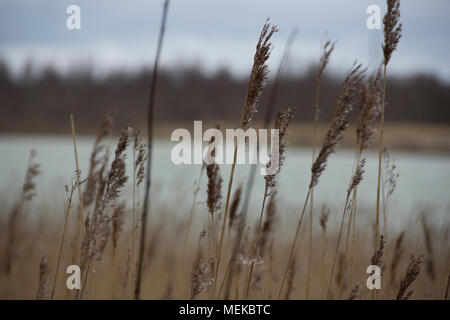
41	101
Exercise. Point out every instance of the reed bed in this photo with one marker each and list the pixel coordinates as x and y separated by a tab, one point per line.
214	249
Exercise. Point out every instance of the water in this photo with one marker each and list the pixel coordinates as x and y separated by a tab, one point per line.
424	181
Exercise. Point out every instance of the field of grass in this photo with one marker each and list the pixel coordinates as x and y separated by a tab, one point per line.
126	251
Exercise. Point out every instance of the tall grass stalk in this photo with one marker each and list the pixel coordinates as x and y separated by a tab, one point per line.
191	214
255	246
133	226
338	124
380	160
251	177
292	249
369	93
257	82
392	35
61	244
80	194
28	192
140	262
281	124
328	48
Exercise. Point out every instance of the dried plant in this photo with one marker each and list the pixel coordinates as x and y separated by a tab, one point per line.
281	124
117	218
214	195
257	82
398	253
412	271
28	192
368	112
74	185
389	185
246	261
339	123
269	224
324	215
108	190
214	188
392	29
341	282
43	289
355	291
258	75
369	109
429	262
234	206
96	160
271	102
191	213
29	186
392	34
369	106
139	159
117	177
290	281
201	278
358	176
150	115
127	275
377	258
327	49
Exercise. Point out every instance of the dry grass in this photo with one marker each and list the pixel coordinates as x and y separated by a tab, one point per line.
41	237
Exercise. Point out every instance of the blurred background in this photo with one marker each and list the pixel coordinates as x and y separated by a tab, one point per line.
48	71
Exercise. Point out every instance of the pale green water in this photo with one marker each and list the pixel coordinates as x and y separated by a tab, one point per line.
424	179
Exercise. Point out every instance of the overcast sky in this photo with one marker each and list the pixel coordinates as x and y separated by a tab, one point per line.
219	33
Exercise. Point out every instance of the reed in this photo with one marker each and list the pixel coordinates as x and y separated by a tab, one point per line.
191	214
389	184
66	221
429	261
412	271
214	199
139	159
256	83
281	124
369	107
333	136
80	196
251	177
109	189
327	49
355	292
28	192
398	253
42	293
392	35
151	103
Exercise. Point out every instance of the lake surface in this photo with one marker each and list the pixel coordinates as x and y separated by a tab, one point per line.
424	181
